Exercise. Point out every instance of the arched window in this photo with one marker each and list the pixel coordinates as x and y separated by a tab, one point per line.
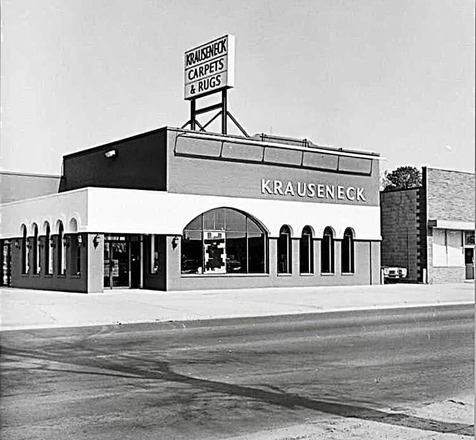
74	240
306	252
24	251
327	251
48	250
61	246
35	248
348	252
224	240
284	250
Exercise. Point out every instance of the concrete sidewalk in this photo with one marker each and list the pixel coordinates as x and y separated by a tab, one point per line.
23	309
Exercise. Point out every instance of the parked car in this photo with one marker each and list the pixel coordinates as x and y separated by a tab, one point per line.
394	273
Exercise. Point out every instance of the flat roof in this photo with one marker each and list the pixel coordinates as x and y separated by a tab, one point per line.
258	139
21	173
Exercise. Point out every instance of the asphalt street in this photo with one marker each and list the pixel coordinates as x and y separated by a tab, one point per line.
223	378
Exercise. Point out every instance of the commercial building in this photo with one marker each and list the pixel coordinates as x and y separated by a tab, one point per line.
176	209
429	230
21	186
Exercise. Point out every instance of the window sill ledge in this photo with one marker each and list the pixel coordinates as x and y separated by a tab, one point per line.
348	274
328	274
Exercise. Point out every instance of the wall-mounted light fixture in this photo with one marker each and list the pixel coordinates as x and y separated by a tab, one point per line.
111	154
52	242
66	241
80	240
17	244
175	242
96	240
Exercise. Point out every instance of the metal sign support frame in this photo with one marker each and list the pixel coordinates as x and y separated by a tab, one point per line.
223	112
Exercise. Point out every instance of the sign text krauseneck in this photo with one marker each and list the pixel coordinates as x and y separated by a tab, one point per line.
312	190
210	67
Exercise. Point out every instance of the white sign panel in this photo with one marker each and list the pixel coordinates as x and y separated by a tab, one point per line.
215	251
210	67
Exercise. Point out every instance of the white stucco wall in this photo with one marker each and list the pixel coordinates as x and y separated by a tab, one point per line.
52	208
98	210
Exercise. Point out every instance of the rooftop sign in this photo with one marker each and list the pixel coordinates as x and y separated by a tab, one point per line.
210	67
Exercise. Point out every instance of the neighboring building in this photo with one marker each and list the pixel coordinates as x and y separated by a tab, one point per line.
430	230
174	209
21	186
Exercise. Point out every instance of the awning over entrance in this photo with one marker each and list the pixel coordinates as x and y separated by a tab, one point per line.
451	224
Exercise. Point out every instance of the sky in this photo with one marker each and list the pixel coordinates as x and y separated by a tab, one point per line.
391	76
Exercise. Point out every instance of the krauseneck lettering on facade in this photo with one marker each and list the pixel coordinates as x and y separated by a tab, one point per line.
312	190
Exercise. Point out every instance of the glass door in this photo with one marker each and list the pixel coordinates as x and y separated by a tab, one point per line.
469	254
116	264
469	263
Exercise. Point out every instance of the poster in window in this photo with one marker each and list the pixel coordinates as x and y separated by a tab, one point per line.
214	250
469	238
115	268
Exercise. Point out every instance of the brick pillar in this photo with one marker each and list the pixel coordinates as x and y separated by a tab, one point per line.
94	264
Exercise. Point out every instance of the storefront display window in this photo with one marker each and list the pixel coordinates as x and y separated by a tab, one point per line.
223	241
257	242
447	249
192	252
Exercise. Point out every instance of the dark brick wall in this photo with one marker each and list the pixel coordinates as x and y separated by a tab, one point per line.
442	275
140	163
450	195
400	222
